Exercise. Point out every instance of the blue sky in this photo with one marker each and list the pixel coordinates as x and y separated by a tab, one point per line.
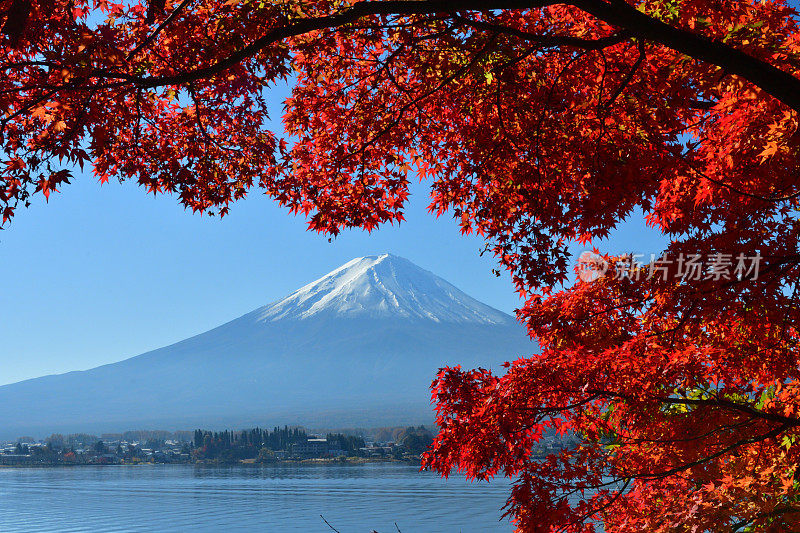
102	273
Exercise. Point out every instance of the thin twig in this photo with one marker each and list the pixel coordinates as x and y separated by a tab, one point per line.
329	525
160	27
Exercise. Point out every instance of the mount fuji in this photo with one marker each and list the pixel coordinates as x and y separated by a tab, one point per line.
357	347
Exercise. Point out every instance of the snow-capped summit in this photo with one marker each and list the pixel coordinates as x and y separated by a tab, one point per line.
379	286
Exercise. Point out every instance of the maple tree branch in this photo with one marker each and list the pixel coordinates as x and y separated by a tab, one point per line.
138	128
739	191
201	126
702	104
788	421
628	77
158	29
632	22
559	408
374	138
303	26
780	84
685	466
627	439
777	511
547	40
23	64
785	422
24	109
602	507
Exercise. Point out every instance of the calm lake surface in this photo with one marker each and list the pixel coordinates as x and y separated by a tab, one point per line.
284	497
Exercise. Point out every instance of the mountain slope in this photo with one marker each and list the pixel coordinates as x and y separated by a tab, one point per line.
358	347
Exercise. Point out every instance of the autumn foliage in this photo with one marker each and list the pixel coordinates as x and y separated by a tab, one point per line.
537	125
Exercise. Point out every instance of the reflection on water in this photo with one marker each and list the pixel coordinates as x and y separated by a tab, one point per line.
285	497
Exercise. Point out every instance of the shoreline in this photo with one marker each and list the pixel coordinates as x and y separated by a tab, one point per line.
242	462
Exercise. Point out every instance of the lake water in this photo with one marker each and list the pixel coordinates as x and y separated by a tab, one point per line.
283	497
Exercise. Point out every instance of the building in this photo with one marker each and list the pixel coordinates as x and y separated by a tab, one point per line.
310	448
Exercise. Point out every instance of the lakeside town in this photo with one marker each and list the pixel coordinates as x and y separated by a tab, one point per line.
252	446
200	446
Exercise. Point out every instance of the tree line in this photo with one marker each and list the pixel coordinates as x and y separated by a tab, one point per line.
257	442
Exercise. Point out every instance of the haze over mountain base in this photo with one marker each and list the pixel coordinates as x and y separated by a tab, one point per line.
356	348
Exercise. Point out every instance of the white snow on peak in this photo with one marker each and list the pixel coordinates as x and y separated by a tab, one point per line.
382	286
